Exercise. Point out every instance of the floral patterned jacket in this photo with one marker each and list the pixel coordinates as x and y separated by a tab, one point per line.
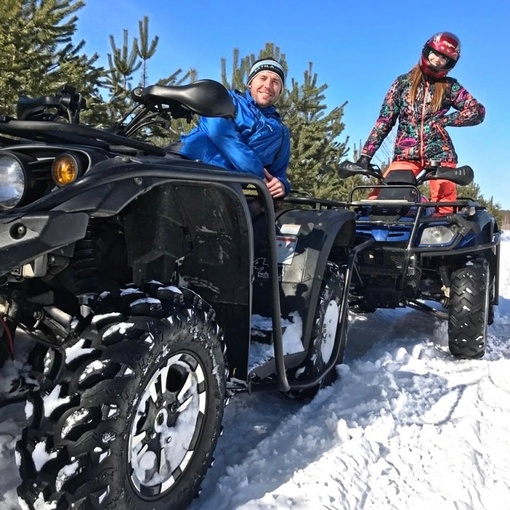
421	135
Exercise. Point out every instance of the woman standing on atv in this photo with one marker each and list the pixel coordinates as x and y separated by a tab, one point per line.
420	101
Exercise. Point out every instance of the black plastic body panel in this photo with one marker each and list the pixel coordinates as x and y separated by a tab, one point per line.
26	238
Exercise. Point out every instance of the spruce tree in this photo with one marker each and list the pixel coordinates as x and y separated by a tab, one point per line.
38	55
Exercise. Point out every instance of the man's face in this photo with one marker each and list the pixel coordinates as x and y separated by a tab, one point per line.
266	88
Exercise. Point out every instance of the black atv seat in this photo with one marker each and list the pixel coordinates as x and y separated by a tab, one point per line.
208	98
400	177
399	187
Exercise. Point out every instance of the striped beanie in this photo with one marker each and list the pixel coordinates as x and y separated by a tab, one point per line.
267	64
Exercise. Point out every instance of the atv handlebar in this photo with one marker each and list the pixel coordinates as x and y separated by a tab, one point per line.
66	104
348	169
208	98
462	175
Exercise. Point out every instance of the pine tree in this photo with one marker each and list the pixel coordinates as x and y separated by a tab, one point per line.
124	63
145	49
316	148
473	191
38	56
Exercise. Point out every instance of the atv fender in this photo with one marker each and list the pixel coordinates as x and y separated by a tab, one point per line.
200	239
314	237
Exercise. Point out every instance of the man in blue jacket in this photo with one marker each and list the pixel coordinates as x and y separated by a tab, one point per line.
255	141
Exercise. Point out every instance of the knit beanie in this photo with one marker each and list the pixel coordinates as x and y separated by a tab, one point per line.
267	64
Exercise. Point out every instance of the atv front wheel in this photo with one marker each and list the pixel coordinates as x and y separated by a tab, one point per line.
134	418
469	311
325	330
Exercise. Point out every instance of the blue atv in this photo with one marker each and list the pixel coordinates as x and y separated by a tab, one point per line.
444	265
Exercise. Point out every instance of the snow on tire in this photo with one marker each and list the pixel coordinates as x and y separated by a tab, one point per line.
469	311
134	418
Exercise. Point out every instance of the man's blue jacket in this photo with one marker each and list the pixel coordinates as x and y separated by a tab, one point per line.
255	139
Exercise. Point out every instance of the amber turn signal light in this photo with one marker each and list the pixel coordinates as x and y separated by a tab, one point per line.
66	169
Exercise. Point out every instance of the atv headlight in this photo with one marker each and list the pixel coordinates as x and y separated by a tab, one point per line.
437	235
14	174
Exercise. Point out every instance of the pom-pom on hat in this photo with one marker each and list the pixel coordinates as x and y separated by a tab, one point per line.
267	64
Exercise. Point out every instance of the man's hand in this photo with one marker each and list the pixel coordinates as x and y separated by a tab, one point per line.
274	185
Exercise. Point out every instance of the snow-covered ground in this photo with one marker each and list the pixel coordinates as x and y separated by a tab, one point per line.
405	426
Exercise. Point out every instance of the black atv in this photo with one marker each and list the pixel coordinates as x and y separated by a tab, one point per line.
136	273
445	265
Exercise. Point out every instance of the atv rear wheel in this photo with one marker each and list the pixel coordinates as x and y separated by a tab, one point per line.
325	330
139	410
469	311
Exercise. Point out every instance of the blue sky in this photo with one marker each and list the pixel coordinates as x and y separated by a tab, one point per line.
357	48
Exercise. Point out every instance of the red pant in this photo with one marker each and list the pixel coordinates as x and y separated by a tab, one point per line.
440	190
